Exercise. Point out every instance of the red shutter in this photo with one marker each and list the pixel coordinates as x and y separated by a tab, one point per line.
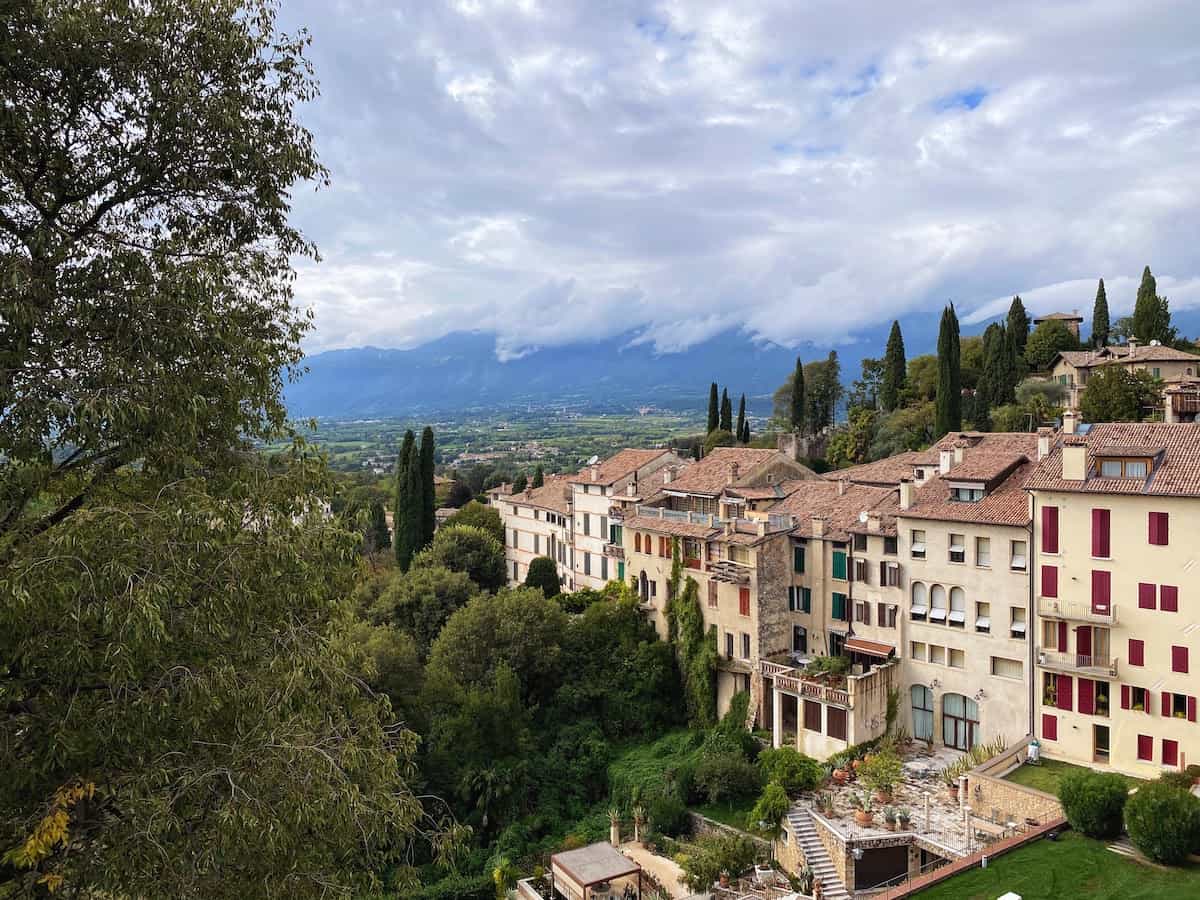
1159	528
1179	659
1101	591
1100	545
1049	581
1168	598
1062	637
1191	704
1064	692
1170	753
637	541
1166	704
1145	745
744	601
1125	696
1049	727
1145	595
1086	696
1049	529
1137	652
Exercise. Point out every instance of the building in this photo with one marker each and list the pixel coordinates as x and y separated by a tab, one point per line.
1175	368
1071	320
1116	512
538	522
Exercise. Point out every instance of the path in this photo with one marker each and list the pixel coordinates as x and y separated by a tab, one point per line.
665	870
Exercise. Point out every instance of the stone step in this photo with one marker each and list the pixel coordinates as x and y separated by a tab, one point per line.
815	853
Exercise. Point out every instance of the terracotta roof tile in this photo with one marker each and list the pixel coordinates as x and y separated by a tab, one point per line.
839	510
985	465
1066	317
617	467
711	475
554	495
1177	472
1005	504
887	471
677	527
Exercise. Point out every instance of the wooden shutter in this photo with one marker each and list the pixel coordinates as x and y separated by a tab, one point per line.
1101	591
881	614
1062	637
1100	533
1159	528
1087	694
1049	727
1166	704
744	601
1137	651
866	613
1170	755
1145	596
637	541
1064	693
883	579
1168	598
1049	581
1125	696
1145	747
1179	659
1191	709
1049	529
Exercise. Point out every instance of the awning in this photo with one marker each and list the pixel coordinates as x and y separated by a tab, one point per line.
870	648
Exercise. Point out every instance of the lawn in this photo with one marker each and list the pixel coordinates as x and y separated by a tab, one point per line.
732	814
1072	866
1047	775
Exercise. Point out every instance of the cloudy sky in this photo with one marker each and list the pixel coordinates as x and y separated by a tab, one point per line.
559	170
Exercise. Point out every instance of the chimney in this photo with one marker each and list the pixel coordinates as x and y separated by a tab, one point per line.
906	493
874	523
1133	344
733	472
945	459
595	473
1044	437
1074	458
1069	422
630	489
841	483
960	447
818	527
668	474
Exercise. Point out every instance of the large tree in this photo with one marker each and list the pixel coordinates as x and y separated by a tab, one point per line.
714	410
1017	326
798	407
466	548
895	370
406	507
1114	394
726	423
181	712
1151	315
824	381
1049	339
949	387
1100	326
539	478
428	497
741	418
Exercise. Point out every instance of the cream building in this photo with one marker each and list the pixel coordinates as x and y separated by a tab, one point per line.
1175	368
1116	513
538	522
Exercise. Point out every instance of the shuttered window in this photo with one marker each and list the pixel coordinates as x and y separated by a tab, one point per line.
812	716
1101	591
1087	700
1158	528
835	723
1100	533
805	599
839	606
798	558
1137	652
1049	529
744	601
1049	727
1145	596
1049	581
1179	659
1063	696
1170	753
839	564
1145	748
1168	597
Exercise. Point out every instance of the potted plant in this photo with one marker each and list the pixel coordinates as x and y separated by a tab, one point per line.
863	815
840	776
724	876
889	818
881	772
903	818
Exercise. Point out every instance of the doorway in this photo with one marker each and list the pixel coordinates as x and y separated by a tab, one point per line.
1100	743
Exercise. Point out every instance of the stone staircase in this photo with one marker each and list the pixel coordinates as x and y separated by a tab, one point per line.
802	826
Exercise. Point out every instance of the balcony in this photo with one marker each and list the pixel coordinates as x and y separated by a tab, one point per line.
1077	663
1054	608
729	572
792	680
614	551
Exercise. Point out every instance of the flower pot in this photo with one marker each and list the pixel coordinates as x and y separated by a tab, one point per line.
883	796
890	826
724	876
841	776
862	817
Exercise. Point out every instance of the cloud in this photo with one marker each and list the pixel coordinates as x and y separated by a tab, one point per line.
557	171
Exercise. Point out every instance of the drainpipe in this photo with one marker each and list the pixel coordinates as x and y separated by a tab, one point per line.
1030	616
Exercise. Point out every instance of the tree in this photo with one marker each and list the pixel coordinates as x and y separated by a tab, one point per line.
908	428
864	394
1163	822
798	407
428	496
1100	317
520	483
543	574
895	370
539	478
183	715
824	381
998	380
714	414
381	538
1151	315
1093	802
718	438
949	390
791	769
1017	327
726	411
1115	394
851	443
466	548
770	809
746	432
406	523
460	493
421	600
1049	339
922	380
741	418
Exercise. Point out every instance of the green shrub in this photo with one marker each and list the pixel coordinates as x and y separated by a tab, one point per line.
772	805
667	813
458	887
1176	779
793	770
881	772
646	769
1093	802
1163	822
708	856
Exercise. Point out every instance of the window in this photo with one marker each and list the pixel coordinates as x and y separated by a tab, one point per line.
862	612
835	723
799	639
1093	697
1049	689
587	563
840	612
604	568
958	659
798	559
1017	626
983	617
1137	652
887	615
745	646
839	564
1145	748
1158	528
712	594
960	721
1135	698
860	543
587	523
1049	529
1050	632
889	574
917	544
1179	659
860	571
1064	691
920	606
1123	468
805	599
958	551
664	547
1049	581
1100	533
918	650
890	546
516	577
966	494
1007	668
983	552
537	543
1168	598
922	712
937	603
1146	595
937	654
1170	753
958	607
1016	552
744	601
1178	706
1101	592
637	541
812	715
739	555
729	645
1156	371
1049	727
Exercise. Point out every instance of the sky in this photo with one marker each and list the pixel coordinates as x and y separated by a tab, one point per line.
556	171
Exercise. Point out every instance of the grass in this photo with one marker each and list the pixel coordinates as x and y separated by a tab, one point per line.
732	814
1073	866
1047	775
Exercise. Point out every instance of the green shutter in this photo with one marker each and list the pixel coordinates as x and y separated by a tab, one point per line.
839	606
839	564
805	599
798	558
620	570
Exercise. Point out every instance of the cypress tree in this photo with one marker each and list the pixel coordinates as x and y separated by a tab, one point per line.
1151	315
407	502
380	536
428	499
948	414
741	419
798	397
895	370
713	413
746	432
1100	325
539	478
1018	325
520	483
726	412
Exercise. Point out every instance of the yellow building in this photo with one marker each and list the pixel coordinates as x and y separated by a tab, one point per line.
1175	368
1116	516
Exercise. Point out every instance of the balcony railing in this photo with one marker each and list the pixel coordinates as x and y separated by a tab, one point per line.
615	551
1085	664
788	679
1054	608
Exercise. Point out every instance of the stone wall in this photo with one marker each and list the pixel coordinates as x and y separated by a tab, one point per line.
991	797
835	846
704	825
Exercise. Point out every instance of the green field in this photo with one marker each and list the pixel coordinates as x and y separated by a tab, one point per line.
1046	775
1073	866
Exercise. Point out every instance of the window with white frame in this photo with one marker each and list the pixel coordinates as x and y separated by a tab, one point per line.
920	601
983	617
983	552
1018	625
1007	668
917	543
958	607
958	548
937	604
1017	555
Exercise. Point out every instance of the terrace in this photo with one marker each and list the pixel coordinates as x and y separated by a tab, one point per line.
596	872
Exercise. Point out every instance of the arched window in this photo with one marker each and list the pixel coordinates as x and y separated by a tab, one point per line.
958	607
960	721
920	601
937	603
922	712
637	541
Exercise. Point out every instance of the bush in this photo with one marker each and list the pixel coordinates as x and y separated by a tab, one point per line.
1181	780
1163	822
543	573
727	776
1093	802
466	548
789	767
881	772
481	516
718	438
711	854
667	813
772	805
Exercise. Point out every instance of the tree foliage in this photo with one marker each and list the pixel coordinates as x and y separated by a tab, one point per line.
714	409
1093	802
696	651
479	515
428	495
1115	394
421	600
790	768
469	549
543	575
718	438
895	370
851	443
1100	326
539	478
797	404
1151	313
1049	339
406	511
1163	822
726	423
1017	327
741	418
949	385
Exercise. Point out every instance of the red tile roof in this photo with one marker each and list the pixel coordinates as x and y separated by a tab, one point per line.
616	467
888	471
840	511
712	474
1006	503
554	495
1176	473
677	527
